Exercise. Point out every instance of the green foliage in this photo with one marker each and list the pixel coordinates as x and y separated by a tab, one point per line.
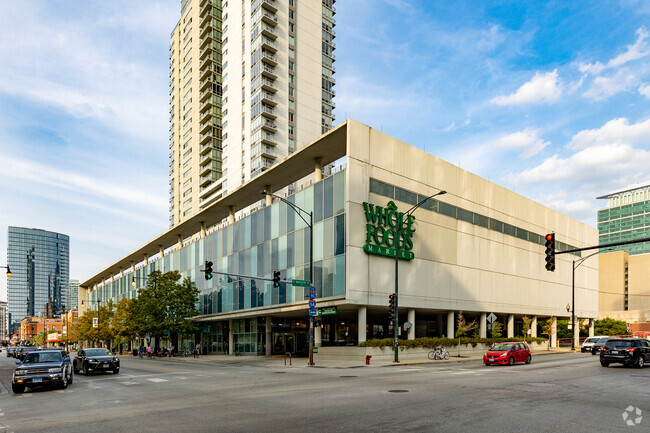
37	340
430	343
462	327
547	329
497	330
609	326
528	321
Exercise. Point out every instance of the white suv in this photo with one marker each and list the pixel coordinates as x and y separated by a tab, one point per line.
589	343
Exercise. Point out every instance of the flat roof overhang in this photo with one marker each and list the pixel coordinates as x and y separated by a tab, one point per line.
327	148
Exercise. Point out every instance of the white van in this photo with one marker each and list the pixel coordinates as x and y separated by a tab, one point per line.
589	343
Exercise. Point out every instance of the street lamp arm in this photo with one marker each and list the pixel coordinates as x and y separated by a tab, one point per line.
414	208
296	208
579	262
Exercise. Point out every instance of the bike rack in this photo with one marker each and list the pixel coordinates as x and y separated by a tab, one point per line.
285	358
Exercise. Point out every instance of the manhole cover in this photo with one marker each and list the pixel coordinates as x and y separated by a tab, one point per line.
348	376
397	390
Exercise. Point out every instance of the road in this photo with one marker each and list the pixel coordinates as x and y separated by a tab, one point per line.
559	392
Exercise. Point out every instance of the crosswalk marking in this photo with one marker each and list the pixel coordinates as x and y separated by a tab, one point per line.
128	383
156	379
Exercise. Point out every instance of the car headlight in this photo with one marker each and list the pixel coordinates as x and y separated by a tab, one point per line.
20	372
55	370
92	360
504	354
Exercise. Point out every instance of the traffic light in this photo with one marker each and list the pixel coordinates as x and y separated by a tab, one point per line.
550	251
392	301
276	278
208	270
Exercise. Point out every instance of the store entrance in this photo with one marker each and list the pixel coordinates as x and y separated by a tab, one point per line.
296	343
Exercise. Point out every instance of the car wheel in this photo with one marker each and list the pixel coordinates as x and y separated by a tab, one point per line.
17	389
71	378
116	370
75	369
604	363
86	371
511	361
529	359
64	382
640	362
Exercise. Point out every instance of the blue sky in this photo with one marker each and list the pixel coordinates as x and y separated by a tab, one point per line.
549	99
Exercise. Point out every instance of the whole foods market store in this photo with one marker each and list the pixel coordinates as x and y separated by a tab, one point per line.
477	250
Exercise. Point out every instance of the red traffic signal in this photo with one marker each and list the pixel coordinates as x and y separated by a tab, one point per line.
550	251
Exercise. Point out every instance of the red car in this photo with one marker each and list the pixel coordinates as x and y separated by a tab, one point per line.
507	353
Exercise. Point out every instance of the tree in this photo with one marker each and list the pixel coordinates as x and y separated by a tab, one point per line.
547	329
497	329
528	321
609	326
462	328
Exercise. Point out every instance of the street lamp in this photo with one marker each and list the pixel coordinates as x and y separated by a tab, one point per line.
407	214
573	298
300	211
8	270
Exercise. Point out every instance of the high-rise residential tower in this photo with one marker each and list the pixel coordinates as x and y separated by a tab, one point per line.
251	81
40	267
72	301
4	333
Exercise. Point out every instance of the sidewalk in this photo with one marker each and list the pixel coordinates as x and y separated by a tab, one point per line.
279	361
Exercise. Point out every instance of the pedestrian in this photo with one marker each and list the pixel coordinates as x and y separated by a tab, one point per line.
148	351
197	350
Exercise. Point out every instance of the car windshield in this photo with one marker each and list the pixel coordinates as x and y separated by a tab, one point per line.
36	358
603	340
502	346
620	344
96	352
592	339
28	349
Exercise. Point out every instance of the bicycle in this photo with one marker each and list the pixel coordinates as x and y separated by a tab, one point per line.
439	353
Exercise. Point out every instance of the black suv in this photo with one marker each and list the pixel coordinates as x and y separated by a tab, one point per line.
626	351
95	359
43	367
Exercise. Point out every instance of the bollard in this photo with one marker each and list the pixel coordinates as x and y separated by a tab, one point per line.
368	359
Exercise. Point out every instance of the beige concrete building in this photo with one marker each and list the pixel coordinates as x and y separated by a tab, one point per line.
624	284
478	249
250	82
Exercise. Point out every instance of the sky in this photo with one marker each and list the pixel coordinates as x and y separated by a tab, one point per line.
548	99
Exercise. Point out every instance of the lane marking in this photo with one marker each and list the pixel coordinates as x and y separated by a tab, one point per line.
128	383
156	379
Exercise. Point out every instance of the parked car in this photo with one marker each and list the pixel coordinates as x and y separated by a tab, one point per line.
626	351
23	351
508	353
589	343
10	351
93	360
46	367
599	344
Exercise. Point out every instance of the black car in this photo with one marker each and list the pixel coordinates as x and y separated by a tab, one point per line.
93	360
44	367
595	349
21	352
10	351
626	351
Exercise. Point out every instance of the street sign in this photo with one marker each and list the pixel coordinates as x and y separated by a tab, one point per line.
327	311
491	318
312	312
315	350
312	289
312	304
300	283
95	322
312	295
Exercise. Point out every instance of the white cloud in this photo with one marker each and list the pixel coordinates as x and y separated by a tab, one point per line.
635	51
604	87
526	141
616	131
566	204
644	90
542	88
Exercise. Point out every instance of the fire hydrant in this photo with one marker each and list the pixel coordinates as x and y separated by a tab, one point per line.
368	359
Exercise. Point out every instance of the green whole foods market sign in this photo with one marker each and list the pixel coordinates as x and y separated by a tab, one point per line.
385	227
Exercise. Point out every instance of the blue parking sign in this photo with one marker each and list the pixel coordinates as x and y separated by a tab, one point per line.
312	312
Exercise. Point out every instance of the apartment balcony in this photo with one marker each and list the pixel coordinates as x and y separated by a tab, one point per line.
269	72
269	126
269	18
213	167
265	151
206	37
268	112
268	85
269	32
205	52
207	126
213	101
269	45
270	5
269	99
269	59
206	180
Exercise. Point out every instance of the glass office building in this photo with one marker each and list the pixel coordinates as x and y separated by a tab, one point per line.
626	217
40	266
72	301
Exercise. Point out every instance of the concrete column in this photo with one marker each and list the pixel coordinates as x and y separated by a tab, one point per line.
231	215
161	251
482	327
511	325
591	327
132	266
268	196
554	332
318	336
318	170
146	260
269	336
450	325
361	328
112	278
439	324
576	333
179	242
231	345
202	234
533	327
411	318
121	273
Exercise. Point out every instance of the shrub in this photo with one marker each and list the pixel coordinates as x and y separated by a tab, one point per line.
430	343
